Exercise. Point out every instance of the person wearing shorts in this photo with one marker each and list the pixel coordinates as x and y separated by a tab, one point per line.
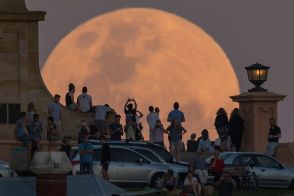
175	132
105	158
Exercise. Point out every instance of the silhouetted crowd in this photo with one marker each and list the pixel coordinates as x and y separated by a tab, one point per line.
106	125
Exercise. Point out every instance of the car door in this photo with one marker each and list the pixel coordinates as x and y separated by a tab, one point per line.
112	169
270	173
129	167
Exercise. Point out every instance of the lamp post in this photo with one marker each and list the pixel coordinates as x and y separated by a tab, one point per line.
257	75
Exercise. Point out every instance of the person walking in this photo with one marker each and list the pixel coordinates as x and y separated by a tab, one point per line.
105	158
273	137
221	122
84	101
175	132
151	120
86	155
176	114
236	129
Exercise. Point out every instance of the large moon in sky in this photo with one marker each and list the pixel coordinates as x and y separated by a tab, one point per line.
150	55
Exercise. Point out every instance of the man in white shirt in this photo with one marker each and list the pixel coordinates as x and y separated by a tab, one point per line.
100	118
84	101
152	117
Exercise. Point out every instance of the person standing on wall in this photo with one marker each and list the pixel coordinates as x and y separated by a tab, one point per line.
221	122
236	129
151	120
176	114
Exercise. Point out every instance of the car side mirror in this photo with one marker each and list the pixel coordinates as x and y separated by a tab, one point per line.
140	161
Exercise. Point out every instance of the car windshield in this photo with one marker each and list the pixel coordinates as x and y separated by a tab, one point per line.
225	155
163	153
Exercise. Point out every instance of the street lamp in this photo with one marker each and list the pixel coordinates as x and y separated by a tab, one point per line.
257	75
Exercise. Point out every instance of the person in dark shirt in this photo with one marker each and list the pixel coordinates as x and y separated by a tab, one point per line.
130	109
116	129
221	122
225	185
69	97
66	147
93	132
192	144
105	158
273	137
236	128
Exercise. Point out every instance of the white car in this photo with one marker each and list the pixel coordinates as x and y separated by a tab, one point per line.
269	172
128	166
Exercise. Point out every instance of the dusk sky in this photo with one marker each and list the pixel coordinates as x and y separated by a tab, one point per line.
248	31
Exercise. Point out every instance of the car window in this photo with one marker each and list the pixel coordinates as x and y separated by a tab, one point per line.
163	153
264	161
242	159
148	154
124	155
224	155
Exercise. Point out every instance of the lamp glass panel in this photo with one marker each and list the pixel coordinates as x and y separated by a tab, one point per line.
250	75
256	75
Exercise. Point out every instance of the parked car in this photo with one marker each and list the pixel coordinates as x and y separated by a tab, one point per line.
5	170
161	151
130	167
269	171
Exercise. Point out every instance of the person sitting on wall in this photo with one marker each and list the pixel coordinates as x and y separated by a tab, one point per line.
69	97
84	101
192	144
20	132
205	145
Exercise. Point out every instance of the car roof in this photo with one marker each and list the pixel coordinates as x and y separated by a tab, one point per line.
128	142
245	153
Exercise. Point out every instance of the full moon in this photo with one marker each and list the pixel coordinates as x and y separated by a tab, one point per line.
153	56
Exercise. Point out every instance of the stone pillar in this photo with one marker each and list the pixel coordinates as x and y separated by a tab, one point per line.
256	108
51	169
19	62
